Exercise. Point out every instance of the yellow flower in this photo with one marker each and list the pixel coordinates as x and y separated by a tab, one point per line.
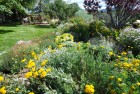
40	70
127	65
23	60
123	53
89	89
111	77
133	87
33	69
31	93
113	92
34	55
60	46
119	56
43	74
50	48
1	78
28	74
2	90
30	64
134	69
48	70
125	58
138	83
119	79
120	85
102	47
123	93
35	74
53	50
115	65
17	89
111	53
44	62
136	65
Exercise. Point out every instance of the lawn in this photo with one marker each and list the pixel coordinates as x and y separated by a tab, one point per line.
9	35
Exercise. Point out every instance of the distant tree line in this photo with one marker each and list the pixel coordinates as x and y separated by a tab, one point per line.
15	10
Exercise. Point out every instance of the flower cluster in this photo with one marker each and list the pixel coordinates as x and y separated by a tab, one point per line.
36	68
2	88
63	38
89	89
132	65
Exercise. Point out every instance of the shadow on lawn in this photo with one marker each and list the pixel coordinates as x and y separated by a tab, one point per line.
5	31
14	24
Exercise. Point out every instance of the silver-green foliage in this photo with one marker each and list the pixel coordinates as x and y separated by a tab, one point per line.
130	37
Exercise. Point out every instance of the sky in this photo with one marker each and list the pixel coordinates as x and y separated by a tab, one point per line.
80	3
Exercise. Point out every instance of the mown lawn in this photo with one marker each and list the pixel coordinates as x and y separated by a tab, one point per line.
9	35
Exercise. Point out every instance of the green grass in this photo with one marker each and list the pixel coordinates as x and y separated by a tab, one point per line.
9	35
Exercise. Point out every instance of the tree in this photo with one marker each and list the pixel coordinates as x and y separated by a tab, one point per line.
60	9
14	8
119	11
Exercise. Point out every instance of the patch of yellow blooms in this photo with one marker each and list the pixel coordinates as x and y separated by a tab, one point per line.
2	89
63	38
89	89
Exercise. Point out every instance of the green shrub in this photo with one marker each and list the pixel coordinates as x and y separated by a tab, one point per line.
11	63
47	40
130	39
76	20
98	28
80	31
100	48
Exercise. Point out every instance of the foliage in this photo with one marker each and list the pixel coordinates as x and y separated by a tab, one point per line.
75	68
80	30
76	20
119	11
126	72
98	28
59	9
101	48
10	63
14	10
130	39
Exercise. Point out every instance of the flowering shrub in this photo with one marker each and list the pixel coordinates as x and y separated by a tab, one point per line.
101	48
63	38
75	68
130	39
125	79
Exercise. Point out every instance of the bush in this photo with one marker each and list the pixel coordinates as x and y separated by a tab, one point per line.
11	63
130	39
76	20
80	31
98	28
100	48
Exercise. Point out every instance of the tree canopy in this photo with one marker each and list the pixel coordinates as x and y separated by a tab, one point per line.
120	11
60	9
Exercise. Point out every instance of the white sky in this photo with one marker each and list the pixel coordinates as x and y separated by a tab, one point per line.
80	3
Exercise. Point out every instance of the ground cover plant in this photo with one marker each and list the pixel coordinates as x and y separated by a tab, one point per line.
77	56
75	67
